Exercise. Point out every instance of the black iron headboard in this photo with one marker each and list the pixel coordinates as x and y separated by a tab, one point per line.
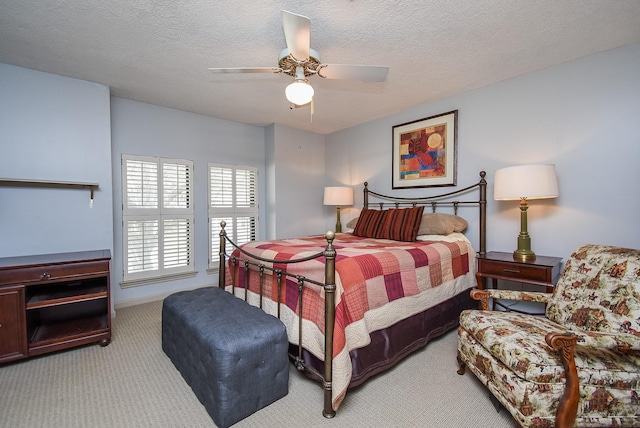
449	199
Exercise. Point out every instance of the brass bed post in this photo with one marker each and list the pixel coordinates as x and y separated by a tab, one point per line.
221	268
329	322
246	280
483	213
366	195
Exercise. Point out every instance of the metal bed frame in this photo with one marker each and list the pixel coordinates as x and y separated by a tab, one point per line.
329	284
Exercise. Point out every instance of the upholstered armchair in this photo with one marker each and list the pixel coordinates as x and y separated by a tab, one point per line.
577	366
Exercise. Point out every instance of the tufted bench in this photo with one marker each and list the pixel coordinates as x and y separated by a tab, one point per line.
232	354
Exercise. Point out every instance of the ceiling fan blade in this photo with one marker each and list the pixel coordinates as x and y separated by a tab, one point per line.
297	32
246	70
369	73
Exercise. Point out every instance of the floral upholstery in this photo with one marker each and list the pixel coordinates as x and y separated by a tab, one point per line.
598	299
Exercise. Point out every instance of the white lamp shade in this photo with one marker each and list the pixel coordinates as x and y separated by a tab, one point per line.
526	181
299	92
338	196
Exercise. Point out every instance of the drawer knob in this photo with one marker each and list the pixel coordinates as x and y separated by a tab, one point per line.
512	270
45	275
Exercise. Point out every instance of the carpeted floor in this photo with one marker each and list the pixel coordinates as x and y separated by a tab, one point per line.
132	383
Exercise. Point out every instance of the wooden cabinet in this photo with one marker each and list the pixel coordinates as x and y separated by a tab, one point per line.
13	337
53	302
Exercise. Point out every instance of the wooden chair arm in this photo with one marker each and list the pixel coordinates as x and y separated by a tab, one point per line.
483	297
529	296
565	344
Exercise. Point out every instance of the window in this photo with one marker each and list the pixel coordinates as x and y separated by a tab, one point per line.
157	217
233	197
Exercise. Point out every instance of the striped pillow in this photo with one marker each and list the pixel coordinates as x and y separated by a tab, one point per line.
370	224
402	224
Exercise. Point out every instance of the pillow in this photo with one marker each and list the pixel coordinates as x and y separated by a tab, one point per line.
433	224
441	224
402	224
369	223
399	224
352	223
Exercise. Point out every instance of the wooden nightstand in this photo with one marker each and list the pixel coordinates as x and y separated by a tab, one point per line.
544	271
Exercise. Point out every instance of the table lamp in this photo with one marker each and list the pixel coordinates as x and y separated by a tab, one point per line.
338	196
525	182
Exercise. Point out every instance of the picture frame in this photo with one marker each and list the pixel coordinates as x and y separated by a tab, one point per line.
425	152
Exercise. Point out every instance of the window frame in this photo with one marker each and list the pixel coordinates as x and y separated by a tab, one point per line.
230	212
161	215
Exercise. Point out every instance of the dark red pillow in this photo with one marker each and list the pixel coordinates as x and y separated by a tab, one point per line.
402	224
370	223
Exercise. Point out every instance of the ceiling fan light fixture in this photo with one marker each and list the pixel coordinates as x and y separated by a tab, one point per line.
299	61
300	92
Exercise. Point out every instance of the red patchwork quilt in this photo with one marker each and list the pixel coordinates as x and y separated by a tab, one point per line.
378	282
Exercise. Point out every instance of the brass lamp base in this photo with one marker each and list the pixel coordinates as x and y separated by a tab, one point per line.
524	256
524	253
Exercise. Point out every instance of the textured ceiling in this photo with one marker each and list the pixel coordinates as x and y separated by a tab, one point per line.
159	51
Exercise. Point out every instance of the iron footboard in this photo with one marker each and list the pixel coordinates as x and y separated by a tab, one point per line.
329	287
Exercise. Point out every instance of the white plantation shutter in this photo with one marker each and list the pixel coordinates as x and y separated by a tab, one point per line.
157	217
214	240
245	188
176	185
142	245
221	187
141	184
233	197
177	243
245	229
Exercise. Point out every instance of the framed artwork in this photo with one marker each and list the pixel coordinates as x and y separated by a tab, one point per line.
424	152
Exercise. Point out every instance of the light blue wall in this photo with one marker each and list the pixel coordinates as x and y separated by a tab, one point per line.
290	164
583	116
53	128
145	129
270	179
296	182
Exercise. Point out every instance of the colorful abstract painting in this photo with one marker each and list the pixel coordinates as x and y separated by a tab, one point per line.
425	152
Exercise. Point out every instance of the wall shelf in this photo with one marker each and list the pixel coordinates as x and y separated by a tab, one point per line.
45	183
24	182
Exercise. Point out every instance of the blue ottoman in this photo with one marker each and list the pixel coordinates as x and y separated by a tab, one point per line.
232	354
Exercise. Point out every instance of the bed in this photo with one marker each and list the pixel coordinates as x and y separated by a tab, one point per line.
369	297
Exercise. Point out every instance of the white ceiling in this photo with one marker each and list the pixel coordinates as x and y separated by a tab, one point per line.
158	51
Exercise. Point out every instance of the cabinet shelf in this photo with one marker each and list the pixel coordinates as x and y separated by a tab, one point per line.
67	330
66	295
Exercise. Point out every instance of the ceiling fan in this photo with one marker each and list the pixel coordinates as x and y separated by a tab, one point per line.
300	61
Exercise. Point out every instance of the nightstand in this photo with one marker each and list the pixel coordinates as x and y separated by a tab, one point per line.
544	271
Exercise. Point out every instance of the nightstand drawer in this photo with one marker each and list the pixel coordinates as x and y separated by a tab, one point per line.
513	270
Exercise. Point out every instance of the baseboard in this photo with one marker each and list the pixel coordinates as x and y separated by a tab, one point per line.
153	298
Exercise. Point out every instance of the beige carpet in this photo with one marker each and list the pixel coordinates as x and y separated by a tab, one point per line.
132	383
